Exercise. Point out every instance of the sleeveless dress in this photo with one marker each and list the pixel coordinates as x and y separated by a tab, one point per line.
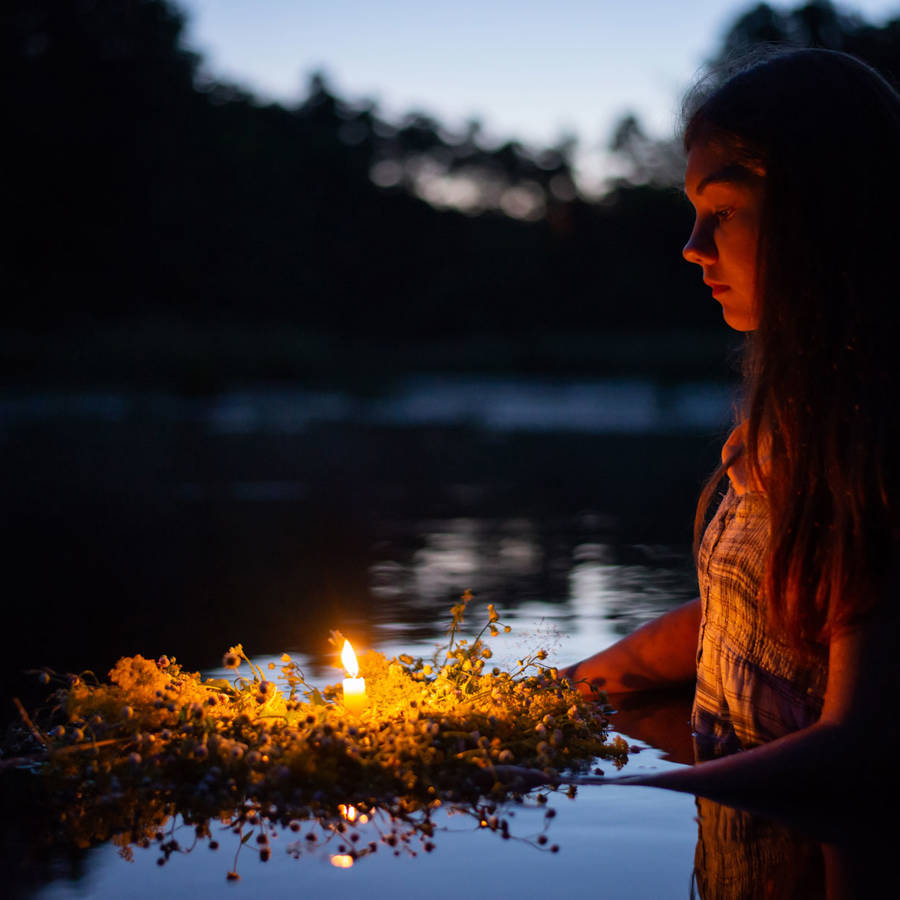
752	686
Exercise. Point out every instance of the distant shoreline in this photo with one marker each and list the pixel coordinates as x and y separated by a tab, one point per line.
205	359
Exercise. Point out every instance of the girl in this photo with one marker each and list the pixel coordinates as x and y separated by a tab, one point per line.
792	170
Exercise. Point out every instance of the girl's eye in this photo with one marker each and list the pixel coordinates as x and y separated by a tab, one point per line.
723	215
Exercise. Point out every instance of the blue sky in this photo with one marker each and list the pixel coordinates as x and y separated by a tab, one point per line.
525	69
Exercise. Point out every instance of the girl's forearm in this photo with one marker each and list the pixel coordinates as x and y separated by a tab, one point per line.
812	760
659	654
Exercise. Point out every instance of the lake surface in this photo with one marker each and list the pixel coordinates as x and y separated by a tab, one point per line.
146	523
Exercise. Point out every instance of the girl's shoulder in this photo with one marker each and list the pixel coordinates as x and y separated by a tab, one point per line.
736	461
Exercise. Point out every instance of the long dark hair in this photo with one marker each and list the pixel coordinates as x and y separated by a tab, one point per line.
822	370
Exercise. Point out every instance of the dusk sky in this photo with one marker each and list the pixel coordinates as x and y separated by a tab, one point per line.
528	70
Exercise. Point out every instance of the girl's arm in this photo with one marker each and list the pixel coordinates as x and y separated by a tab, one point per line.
852	744
661	653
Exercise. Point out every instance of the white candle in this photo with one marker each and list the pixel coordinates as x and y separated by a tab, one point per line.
354	694
354	687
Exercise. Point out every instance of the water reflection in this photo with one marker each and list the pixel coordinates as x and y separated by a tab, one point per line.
699	848
820	848
176	543
478	554
837	846
166	853
175	525
742	855
160	758
570	575
523	559
501	403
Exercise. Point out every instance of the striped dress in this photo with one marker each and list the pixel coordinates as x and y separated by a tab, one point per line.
752	686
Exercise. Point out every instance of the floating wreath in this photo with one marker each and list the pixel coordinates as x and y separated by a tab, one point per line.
126	759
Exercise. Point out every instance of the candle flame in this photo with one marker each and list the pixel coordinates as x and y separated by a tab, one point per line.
342	860
348	660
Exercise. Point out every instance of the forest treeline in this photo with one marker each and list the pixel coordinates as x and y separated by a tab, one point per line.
138	189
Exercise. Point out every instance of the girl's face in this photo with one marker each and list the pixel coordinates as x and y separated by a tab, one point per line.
727	198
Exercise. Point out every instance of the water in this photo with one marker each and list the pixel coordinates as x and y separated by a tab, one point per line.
598	406
150	524
153	521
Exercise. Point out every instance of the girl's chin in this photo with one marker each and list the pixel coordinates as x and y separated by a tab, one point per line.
739	320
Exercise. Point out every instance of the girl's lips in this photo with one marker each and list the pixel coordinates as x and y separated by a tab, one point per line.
717	288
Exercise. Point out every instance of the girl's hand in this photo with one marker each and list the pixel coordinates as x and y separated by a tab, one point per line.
519	778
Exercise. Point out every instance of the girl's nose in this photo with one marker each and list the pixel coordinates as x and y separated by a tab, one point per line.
700	248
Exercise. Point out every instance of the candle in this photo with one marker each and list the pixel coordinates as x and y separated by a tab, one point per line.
354	688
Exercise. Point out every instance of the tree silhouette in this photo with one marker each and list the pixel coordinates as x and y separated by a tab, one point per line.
141	189
817	24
